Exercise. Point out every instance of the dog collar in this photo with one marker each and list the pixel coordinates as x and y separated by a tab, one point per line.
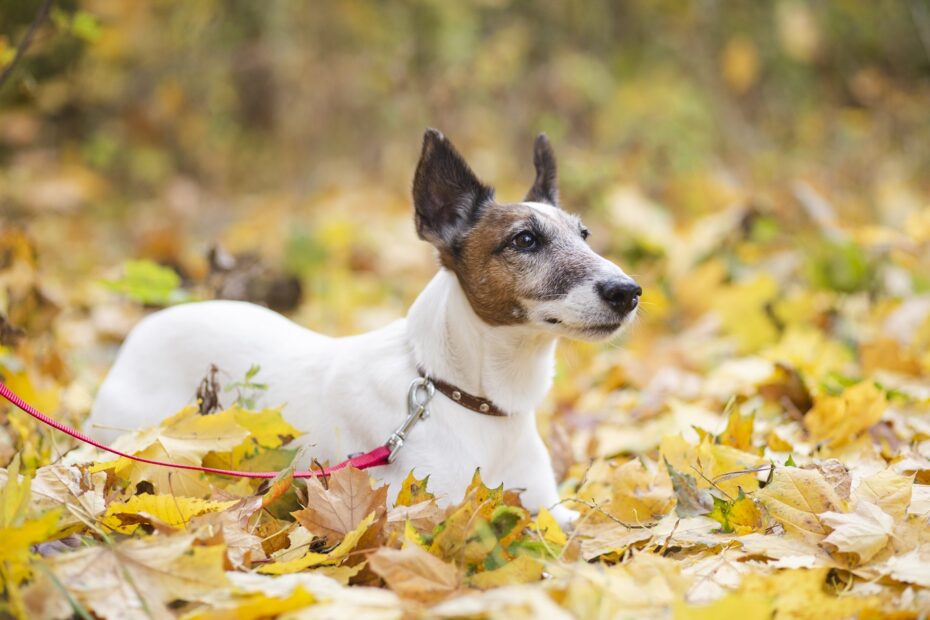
463	398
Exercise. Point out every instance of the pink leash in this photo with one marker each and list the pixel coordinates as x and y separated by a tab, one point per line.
374	458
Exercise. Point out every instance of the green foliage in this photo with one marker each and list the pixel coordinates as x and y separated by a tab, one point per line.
841	266
80	24
149	283
247	390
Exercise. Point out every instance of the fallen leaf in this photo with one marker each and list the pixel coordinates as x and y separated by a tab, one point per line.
691	500
909	568
522	569
413	491
804	594
738	433
138	578
549	529
840	419
311	558
740	516
796	497
640	494
334	512
864	532
888	490
415	574
256	606
170	510
836	474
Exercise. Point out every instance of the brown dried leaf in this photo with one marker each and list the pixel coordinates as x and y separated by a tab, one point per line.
334	512
415	574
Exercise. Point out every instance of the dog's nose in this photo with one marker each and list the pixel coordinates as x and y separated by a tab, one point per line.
621	294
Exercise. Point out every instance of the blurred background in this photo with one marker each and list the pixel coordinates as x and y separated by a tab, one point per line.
761	167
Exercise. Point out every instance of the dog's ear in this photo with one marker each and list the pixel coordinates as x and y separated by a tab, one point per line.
447	196
544	187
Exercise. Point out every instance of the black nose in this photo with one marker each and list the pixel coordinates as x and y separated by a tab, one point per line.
621	294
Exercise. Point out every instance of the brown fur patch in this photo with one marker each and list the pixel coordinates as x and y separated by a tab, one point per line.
488	279
495	278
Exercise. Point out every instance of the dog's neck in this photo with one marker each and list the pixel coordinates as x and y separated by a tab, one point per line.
511	365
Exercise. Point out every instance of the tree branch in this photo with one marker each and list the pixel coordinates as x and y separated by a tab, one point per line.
26	41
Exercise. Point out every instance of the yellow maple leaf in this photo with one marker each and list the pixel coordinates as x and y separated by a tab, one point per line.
888	354
640	494
796	497
714	465
16	549
803	594
738	433
15	495
170	510
411	535
267	429
522	569
413	491
486	498
478	504
255	606
18	532
186	438
840	419
548	528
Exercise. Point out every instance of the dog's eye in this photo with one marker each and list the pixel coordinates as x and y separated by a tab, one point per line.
524	240
585	233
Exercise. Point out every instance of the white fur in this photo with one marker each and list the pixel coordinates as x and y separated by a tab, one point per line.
349	394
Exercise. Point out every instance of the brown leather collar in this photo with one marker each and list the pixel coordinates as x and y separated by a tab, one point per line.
478	405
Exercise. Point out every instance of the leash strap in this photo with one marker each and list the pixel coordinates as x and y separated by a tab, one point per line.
374	458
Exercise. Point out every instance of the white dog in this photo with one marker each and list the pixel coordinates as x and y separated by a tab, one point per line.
514	278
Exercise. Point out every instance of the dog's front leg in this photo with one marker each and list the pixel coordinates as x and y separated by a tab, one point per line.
532	470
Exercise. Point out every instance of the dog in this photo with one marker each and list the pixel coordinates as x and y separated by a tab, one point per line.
513	279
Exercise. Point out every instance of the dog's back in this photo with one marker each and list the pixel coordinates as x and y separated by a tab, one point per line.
165	357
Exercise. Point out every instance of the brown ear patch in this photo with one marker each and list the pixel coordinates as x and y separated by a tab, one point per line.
491	282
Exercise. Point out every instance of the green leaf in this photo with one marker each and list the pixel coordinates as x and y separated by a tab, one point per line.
149	283
85	27
504	519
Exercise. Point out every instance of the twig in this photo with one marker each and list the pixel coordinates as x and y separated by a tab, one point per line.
599	510
323	478
26	41
664	548
700	472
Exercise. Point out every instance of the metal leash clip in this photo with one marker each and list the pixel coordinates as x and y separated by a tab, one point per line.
419	394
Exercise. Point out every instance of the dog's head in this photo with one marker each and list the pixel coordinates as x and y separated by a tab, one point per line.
525	263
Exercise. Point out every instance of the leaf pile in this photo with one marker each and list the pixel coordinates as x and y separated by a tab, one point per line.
758	446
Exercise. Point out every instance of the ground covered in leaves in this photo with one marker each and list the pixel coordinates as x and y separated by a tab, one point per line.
771	457
758	446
